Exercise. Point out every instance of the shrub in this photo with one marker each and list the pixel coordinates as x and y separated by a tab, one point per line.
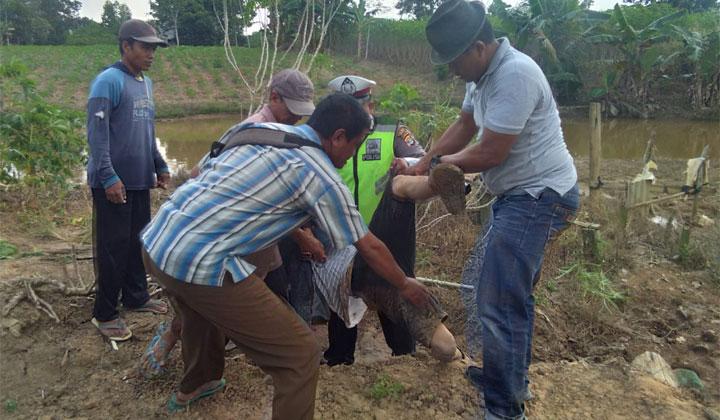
40	143
401	98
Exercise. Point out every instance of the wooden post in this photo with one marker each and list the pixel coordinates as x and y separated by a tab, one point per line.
649	149
595	145
700	178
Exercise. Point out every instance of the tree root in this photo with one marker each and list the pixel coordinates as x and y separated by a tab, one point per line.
28	285
41	304
13	302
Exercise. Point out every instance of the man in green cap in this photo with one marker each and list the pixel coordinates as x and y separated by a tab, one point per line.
524	161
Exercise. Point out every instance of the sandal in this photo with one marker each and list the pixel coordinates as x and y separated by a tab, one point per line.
174	406
114	330
155	306
156	367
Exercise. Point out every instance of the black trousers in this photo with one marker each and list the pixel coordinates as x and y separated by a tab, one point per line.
116	247
394	224
343	339
292	281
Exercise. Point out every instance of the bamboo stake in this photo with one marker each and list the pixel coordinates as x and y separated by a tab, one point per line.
658	200
595	145
445	283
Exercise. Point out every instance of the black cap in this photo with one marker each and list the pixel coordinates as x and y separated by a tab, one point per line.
140	31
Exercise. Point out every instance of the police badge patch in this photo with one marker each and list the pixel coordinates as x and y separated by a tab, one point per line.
404	133
348	86
372	149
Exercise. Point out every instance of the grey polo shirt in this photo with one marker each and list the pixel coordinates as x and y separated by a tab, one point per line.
514	97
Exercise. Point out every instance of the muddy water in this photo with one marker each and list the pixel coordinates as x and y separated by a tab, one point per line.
186	140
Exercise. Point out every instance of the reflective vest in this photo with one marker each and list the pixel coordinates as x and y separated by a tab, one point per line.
370	163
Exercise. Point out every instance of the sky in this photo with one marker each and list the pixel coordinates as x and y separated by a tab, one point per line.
140	9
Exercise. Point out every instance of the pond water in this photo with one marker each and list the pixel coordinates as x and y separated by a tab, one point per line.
184	141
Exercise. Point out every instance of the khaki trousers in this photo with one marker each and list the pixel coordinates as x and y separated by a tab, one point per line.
263	326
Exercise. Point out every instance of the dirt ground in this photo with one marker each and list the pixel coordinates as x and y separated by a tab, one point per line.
582	348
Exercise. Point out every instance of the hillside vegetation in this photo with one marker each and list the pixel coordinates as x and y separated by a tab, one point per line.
198	79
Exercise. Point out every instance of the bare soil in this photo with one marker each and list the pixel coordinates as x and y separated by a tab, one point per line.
582	352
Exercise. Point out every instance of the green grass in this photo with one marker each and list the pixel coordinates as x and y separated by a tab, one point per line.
7	249
386	387
594	284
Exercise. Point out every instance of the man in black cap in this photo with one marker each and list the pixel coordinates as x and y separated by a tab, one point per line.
524	161
124	164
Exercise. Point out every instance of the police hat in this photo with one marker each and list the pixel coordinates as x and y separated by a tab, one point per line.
358	87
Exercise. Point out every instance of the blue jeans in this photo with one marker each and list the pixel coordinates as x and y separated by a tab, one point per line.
521	226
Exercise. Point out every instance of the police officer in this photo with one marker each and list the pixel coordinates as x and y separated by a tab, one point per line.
363	174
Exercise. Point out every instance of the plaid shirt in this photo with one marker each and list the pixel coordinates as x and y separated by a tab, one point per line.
245	200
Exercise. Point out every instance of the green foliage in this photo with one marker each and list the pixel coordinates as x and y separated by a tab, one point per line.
37	21
386	387
91	33
418	8
594	284
7	249
551	32
10	406
401	98
442	72
427	125
401	42
114	14
41	143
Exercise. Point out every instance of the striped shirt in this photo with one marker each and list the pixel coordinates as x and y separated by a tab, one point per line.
245	200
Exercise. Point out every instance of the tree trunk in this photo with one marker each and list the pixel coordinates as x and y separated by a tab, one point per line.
359	42
177	34
367	43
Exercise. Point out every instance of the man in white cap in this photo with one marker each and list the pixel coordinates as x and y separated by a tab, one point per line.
391	216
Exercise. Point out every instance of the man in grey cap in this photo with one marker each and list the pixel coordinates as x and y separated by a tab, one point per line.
290	98
524	161
124	164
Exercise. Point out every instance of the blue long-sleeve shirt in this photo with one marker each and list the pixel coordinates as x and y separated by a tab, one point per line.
121	131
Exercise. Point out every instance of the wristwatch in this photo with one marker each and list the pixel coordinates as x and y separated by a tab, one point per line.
435	161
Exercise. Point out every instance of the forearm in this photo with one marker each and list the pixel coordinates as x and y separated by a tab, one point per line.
471	160
98	129
491	151
379	258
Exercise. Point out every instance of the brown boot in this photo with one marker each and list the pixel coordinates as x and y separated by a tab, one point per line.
448	181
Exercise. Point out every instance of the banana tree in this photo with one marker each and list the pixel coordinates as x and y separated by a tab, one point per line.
702	52
642	52
551	32
361	16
